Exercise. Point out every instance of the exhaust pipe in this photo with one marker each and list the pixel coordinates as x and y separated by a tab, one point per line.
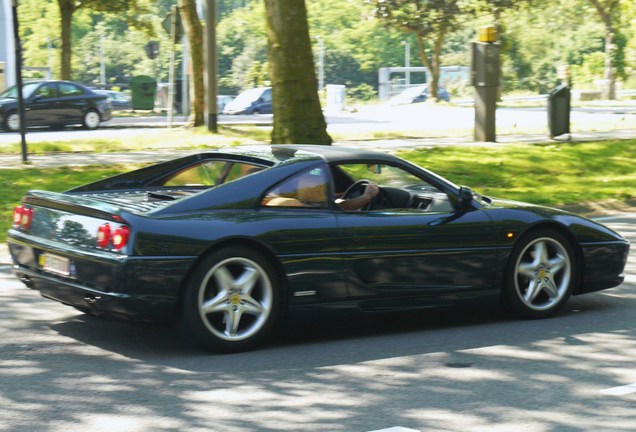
26	280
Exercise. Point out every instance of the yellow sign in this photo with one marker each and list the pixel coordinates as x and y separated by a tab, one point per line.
487	34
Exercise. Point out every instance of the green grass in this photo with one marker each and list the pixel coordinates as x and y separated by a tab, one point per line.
554	174
16	182
175	138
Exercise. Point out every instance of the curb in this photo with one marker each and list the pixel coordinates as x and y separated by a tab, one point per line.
5	257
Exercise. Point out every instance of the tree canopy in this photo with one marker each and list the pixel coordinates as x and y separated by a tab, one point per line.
536	36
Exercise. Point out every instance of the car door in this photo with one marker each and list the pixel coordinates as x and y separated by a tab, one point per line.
264	104
300	224
418	252
71	103
41	108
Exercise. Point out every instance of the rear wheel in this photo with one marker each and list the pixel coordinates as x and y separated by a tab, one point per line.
12	121
541	274
232	301
91	120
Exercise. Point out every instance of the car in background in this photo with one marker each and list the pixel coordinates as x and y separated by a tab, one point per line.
118	100
253	101
222	101
54	103
418	93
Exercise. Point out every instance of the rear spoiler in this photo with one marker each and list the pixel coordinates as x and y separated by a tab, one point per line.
73	204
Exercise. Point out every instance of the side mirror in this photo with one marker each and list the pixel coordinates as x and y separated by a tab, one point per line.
464	198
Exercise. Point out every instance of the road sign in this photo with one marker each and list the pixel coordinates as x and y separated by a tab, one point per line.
167	24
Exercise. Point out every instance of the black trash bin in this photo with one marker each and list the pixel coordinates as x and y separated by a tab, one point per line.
559	111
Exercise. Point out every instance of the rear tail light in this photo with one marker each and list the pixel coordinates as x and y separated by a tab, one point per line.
103	236
120	237
22	217
117	238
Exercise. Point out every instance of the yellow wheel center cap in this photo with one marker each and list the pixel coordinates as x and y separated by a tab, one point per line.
235	300
543	273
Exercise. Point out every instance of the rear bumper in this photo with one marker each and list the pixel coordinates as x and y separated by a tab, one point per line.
106	114
95	301
140	288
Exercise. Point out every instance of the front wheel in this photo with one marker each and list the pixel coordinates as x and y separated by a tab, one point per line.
232	301
91	120
541	275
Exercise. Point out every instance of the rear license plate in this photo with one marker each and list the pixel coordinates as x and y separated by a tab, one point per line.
55	264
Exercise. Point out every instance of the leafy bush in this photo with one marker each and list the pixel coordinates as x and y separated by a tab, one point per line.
363	93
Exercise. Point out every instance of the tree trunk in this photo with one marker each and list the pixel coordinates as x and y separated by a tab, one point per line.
194	32
431	64
67	8
298	117
605	11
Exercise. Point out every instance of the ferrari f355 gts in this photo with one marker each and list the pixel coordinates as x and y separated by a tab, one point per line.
228	243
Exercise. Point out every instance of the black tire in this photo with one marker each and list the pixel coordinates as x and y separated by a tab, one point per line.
91	119
11	121
541	274
233	300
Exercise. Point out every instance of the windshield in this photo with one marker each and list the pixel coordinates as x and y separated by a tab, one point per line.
12	92
408	95
247	97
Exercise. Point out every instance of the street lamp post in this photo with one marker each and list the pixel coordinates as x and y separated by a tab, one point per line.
102	62
18	79
321	63
407	63
210	74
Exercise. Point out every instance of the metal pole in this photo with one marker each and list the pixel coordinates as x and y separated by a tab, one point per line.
210	63
407	63
321	64
102	62
171	72
49	62
185	93
18	76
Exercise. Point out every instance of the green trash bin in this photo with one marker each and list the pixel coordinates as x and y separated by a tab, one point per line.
559	111
143	90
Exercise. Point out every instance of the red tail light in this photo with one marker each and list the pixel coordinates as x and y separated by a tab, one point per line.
120	237
22	217
103	236
117	238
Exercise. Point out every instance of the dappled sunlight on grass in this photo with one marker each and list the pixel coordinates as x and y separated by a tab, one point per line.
175	138
551	174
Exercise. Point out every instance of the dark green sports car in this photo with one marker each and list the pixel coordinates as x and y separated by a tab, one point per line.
229	242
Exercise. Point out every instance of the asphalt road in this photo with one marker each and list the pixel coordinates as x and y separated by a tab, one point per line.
428	120
468	369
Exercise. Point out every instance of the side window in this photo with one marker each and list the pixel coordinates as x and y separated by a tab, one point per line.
67	89
211	173
267	95
308	189
46	91
383	175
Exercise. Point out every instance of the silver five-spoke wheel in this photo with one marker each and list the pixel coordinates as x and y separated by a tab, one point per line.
231	302
235	299
541	274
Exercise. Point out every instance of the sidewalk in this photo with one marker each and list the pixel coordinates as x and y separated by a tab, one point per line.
385	145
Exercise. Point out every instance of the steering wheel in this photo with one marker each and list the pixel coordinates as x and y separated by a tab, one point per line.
357	189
